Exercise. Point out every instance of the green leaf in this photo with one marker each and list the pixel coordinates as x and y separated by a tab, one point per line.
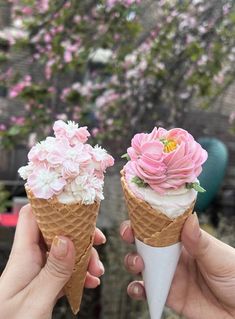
14	130
139	182
196	186
126	156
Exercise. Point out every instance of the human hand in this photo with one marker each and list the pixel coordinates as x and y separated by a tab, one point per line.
204	283
31	283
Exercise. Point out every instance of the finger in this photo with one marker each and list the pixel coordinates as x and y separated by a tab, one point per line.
210	253
134	263
57	270
25	252
126	232
95	267
27	232
91	281
99	237
136	290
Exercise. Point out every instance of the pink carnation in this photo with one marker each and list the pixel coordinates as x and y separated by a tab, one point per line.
166	159
101	158
71	131
45	183
66	167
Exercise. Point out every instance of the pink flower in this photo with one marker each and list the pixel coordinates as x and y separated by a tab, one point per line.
101	158
3	127
166	159
19	87
95	131
71	131
66	167
38	153
27	11
44	183
20	120
68	57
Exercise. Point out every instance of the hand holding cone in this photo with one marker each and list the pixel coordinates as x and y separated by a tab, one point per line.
65	178
75	221
158	183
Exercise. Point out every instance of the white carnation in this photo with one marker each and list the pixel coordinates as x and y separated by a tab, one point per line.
25	171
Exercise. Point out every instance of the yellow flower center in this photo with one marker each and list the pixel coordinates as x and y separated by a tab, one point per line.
170	145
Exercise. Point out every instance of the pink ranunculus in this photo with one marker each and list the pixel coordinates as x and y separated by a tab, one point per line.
71	131
166	159
144	140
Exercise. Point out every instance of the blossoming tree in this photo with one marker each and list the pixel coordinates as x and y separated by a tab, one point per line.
102	67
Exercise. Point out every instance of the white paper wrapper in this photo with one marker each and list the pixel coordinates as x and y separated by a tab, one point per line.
160	265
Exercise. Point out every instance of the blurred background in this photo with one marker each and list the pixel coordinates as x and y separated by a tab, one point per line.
119	67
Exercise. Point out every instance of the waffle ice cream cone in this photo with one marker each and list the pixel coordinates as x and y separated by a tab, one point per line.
157	239
150	226
75	221
160	186
64	184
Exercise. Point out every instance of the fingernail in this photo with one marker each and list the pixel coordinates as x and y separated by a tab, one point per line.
195	226
123	229
59	247
136	290
103	239
132	260
101	266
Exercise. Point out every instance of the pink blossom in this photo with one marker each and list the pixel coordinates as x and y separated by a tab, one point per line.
95	131
19	87
166	159
71	131
3	127
77	19
43	5
65	93
20	120
47	37
68	57
27	11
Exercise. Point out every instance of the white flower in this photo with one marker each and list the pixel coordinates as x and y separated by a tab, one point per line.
99	153
101	56
131	58
88	197
72	126
82	191
45	183
97	184
25	171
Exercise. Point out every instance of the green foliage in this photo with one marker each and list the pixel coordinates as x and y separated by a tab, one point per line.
139	182
109	71
3	57
195	186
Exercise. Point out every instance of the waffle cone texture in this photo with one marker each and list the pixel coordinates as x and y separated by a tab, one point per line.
151	226
75	221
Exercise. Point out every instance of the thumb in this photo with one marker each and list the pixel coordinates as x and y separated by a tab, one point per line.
57	270
210	253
